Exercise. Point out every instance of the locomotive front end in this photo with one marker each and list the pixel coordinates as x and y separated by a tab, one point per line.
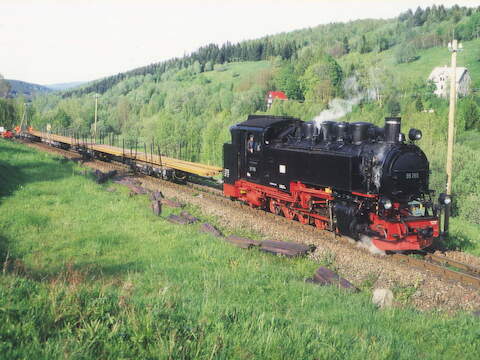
405	217
399	230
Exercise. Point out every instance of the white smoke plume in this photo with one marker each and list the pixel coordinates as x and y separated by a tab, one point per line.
366	242
338	108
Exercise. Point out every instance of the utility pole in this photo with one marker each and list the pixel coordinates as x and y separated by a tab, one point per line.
24	122
95	124
454	47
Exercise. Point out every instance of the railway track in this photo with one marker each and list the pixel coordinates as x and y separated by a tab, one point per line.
441	266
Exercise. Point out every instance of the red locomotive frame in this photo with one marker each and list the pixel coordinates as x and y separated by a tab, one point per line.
399	233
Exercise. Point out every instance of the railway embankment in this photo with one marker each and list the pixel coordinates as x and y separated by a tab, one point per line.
97	273
415	285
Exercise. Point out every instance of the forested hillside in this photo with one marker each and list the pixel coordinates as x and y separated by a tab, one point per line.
216	86
26	89
379	66
65	86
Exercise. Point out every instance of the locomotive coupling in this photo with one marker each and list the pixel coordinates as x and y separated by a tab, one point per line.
425	233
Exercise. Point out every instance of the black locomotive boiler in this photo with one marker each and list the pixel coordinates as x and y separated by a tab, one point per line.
351	178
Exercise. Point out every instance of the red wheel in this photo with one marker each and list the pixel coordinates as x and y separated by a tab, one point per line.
320	224
289	214
304	219
274	207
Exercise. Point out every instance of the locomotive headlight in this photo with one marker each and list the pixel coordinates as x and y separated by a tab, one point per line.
414	134
444	199
386	203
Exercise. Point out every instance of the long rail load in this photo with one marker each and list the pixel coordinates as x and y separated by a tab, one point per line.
152	162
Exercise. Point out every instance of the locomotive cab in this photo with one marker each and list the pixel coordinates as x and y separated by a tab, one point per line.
245	156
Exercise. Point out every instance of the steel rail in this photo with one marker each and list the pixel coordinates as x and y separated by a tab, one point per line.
443	260
442	271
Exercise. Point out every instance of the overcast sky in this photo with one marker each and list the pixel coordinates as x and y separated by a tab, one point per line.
53	41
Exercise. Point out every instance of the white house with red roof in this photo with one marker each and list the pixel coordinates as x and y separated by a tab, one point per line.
272	95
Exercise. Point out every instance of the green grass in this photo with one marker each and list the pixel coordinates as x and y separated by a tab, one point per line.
470	139
94	274
236	72
420	69
440	56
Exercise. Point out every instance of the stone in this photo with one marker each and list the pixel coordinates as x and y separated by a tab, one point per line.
325	276
383	298
156	195
157	207
242	242
210	229
177	219
101	177
285	248
190	218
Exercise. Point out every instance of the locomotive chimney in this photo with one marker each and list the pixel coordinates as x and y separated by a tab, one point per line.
327	130
316	134
392	129
360	132
308	130
342	131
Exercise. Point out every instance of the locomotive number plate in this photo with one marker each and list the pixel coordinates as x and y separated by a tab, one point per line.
414	175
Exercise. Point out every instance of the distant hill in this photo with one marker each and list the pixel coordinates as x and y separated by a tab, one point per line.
28	90
65	86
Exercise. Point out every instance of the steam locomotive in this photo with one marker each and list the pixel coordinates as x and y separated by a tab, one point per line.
355	179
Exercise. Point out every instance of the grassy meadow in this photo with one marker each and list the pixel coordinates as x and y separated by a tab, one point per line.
89	273
433	57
